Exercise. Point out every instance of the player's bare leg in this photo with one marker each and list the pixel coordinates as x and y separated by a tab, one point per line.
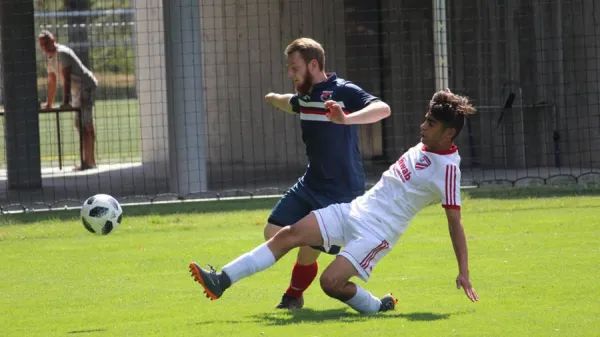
82	139
303	273
307	255
88	146
305	232
270	231
91	145
335	283
88	143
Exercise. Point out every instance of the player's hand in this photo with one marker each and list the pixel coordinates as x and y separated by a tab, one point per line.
335	114
462	280
270	98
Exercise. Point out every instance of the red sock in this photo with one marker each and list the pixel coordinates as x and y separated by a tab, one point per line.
302	277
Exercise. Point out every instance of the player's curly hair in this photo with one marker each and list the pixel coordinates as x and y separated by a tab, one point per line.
450	109
309	49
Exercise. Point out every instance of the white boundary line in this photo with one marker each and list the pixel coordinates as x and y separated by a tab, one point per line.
164	202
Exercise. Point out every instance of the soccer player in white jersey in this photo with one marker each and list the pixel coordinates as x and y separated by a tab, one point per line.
79	86
369	226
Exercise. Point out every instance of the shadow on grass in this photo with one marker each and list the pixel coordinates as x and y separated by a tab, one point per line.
342	315
86	331
316	316
199	207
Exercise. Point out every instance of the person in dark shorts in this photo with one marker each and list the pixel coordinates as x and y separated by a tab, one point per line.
334	173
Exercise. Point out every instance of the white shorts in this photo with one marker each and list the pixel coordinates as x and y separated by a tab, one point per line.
361	247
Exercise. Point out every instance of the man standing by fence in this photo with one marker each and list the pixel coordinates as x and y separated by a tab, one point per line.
79	86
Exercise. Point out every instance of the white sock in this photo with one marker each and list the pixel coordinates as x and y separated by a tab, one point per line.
250	263
364	302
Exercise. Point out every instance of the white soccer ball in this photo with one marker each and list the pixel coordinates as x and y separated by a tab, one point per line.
101	214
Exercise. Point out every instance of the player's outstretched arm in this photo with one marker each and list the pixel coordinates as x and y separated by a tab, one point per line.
280	101
372	113
459	242
51	91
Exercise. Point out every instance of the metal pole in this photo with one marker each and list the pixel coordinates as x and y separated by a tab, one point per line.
59	141
185	97
21	119
440	44
77	29
560	80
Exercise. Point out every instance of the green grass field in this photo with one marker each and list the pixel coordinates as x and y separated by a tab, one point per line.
117	124
533	261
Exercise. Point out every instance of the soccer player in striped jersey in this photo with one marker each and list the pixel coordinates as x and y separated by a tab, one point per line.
369	226
334	173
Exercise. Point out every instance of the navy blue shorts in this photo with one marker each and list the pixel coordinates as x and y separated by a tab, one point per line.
297	203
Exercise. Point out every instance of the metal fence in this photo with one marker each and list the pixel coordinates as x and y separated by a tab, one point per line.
180	113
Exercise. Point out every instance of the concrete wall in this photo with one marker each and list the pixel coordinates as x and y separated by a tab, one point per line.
580	121
363	35
151	86
1	81
539	50
546	50
248	141
408	70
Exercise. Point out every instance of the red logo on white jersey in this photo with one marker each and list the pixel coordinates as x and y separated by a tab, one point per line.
403	170
423	163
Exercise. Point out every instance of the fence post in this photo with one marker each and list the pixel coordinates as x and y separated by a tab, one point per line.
185	97
77	30
440	44
21	106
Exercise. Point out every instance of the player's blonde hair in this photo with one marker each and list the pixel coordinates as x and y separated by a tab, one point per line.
46	36
309	50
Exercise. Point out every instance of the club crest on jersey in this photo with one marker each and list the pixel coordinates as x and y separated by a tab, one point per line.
326	95
423	163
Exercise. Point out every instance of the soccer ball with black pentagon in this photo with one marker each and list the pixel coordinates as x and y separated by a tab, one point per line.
101	214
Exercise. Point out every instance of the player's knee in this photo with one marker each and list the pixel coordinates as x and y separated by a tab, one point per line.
332	286
288	237
270	230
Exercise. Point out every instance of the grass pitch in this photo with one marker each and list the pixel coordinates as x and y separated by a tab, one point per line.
533	261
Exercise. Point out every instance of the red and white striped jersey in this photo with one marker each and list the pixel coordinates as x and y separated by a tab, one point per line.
419	178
